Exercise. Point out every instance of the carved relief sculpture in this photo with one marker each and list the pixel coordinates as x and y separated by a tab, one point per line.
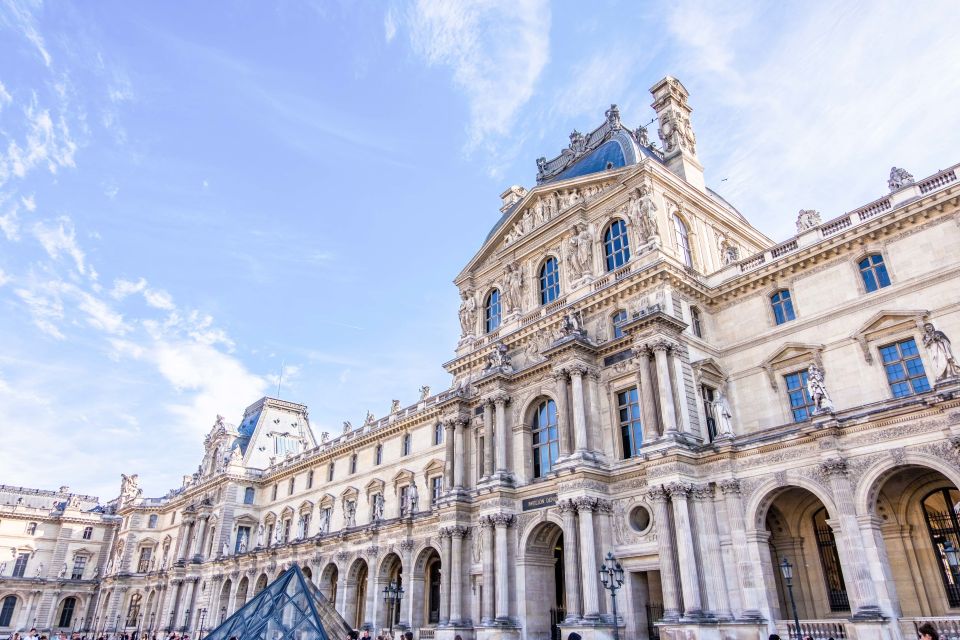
941	353
641	211
807	219
580	254
512	287
468	314
899	178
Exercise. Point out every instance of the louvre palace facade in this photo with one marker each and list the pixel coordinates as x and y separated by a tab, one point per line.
642	372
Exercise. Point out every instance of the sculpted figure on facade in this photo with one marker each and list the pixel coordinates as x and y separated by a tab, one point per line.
241	545
899	178
350	513
580	254
278	533
941	353
817	389
499	359
424	392
641	211
573	324
394	406
370	419
325	521
377	512
729	251
724	415
512	287
413	499
224	549
347	426
807	219
129	489
260	535
468	314
63	571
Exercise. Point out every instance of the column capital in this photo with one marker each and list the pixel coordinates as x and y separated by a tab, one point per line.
373	551
558	374
486	522
657	493
661	345
486	402
406	545
501	398
454	531
567	505
604	506
585	504
679	489
579	370
502	519
702	492
834	467
730	487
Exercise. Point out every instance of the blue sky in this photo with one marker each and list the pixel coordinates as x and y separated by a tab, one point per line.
192	194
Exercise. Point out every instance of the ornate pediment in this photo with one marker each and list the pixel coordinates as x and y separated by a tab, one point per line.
327	501
306	505
402	477
792	355
546	205
350	493
433	468
709	370
374	486
886	324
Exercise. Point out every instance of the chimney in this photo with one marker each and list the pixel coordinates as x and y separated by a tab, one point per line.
510	196
675	130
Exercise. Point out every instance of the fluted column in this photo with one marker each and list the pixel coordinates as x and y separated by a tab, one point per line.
563	422
459	454
456	570
582	442
708	537
370	608
657	496
488	437
738	538
850	543
445	571
648	405
503	433
448	429
502	522
198	538
486	605
406	608
588	559
668	412
689	572
184	543
571	579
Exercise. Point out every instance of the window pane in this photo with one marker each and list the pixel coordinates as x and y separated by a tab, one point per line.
544	438
904	368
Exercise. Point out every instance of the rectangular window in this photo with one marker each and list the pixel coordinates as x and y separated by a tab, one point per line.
436	489
403	501
31	528
800	403
87	533
310	479
293	484
709	396
79	564
437	434
243	535
144	563
152	521
286	445
631	429
20	567
270	534
330	472
248	494
904	368
273	493
286	530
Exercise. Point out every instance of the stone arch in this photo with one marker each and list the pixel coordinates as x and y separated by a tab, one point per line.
764	495
872	481
390	570
355	587
329	578
539	560
76	611
224	600
424	586
261	584
243	588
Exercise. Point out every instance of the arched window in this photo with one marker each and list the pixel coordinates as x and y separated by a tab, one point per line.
491	311
406	444
616	245
133	611
695	325
940	512
631	429
619	319
66	612
830	562
683	240
353	463
546	439
6	611
874	272
248	494
378	454
549	281
782	306
152	521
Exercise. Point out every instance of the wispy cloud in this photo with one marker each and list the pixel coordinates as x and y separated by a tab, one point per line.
19	17
496	50
59	237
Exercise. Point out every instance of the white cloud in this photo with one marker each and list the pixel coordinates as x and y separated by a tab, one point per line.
5	97
123	288
10	224
47	142
100	315
19	17
45	306
497	51
29	203
4	278
390	25
60	238
159	299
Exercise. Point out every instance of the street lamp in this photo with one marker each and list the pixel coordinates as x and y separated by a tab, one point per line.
787	569
223	613
186	620
116	624
136	633
152	620
203	615
611	575
392	595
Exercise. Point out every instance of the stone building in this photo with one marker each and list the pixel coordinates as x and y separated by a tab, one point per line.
640	372
52	547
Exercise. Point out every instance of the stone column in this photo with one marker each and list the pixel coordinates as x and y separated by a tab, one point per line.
853	555
588	559
563	422
183	543
445	582
657	496
502	522
488	437
456	574
571	579
232	599
708	538
370	608
486	606
198	538
503	433
579	410
53	609
459	454
738	536
448	430
406	607
668	412
648	405
686	556
171	620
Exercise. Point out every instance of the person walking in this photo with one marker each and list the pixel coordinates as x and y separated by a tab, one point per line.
927	631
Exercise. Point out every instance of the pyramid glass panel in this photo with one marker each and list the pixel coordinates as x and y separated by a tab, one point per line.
290	608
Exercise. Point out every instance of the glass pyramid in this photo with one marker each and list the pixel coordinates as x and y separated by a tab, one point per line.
290	608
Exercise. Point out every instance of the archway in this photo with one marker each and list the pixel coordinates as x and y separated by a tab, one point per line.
356	593
307	572
391	572
797	526
424	589
66	611
328	582
261	584
150	612
224	604
542	566
241	597
916	522
8	607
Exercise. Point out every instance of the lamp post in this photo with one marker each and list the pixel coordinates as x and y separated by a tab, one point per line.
611	575
153	616
136	632
116	624
392	595
223	613
787	570
186	620
203	615
172	622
